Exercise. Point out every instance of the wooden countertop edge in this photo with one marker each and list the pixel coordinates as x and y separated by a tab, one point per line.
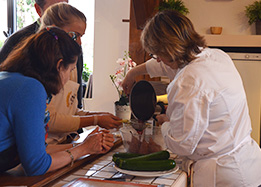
50	177
100	182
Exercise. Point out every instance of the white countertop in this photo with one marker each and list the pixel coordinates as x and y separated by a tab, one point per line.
103	168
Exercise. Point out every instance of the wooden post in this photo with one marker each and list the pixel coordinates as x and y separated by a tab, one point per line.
141	11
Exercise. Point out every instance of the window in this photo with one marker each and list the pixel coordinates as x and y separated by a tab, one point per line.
17	14
87	7
25	13
3	21
15	17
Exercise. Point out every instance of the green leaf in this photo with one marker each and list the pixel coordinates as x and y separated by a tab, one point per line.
124	100
177	5
86	73
253	12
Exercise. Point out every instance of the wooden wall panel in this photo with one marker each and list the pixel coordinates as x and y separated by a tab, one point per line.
141	11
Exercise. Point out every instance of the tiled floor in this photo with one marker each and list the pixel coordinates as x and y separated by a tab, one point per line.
104	168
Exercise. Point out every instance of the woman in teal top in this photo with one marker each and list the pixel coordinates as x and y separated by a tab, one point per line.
35	70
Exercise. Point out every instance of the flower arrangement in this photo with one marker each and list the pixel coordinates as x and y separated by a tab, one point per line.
124	65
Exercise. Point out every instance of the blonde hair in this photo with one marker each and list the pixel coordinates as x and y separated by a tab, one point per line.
61	14
171	34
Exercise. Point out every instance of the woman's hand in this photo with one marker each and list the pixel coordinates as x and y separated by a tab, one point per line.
98	141
108	121
93	142
107	141
162	118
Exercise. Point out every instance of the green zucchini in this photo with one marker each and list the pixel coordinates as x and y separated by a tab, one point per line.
160	155
121	155
143	165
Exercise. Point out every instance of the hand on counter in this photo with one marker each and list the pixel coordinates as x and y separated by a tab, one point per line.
107	141
99	141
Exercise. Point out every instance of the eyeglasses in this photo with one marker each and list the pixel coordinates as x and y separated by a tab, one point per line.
153	56
73	35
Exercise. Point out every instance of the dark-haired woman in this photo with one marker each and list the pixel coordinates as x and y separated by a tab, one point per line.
207	118
36	69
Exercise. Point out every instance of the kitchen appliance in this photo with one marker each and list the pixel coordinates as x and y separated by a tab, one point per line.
135	137
142	102
249	67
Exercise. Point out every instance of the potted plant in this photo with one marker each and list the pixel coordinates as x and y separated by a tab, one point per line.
177	5
86	73
253	12
122	108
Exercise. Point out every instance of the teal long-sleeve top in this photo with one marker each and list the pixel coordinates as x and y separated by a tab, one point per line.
22	114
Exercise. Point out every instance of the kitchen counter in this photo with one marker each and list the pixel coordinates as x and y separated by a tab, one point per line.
16	176
93	167
103	168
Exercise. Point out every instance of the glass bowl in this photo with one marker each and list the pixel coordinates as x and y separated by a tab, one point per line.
146	141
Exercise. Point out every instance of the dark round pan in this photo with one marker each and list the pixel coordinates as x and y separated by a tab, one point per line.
142	100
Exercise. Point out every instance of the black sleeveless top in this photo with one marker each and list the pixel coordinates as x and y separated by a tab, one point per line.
9	158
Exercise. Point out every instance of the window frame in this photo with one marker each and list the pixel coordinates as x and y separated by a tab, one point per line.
11	16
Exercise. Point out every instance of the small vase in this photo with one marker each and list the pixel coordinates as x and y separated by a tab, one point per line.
258	27
123	111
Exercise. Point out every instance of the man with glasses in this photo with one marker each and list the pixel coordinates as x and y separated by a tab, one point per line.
14	39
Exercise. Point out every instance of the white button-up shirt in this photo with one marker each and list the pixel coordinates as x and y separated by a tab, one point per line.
209	118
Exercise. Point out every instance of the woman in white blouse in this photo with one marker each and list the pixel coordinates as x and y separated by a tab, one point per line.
207	118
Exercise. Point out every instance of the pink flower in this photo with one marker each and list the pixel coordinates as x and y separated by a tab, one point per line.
125	64
118	72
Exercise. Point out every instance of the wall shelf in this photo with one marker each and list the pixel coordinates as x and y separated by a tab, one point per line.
233	40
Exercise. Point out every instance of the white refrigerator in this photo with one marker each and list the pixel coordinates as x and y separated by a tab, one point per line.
249	67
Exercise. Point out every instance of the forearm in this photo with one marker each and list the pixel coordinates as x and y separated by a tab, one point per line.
54	148
82	112
62	158
89	120
138	70
63	123
95	143
130	78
